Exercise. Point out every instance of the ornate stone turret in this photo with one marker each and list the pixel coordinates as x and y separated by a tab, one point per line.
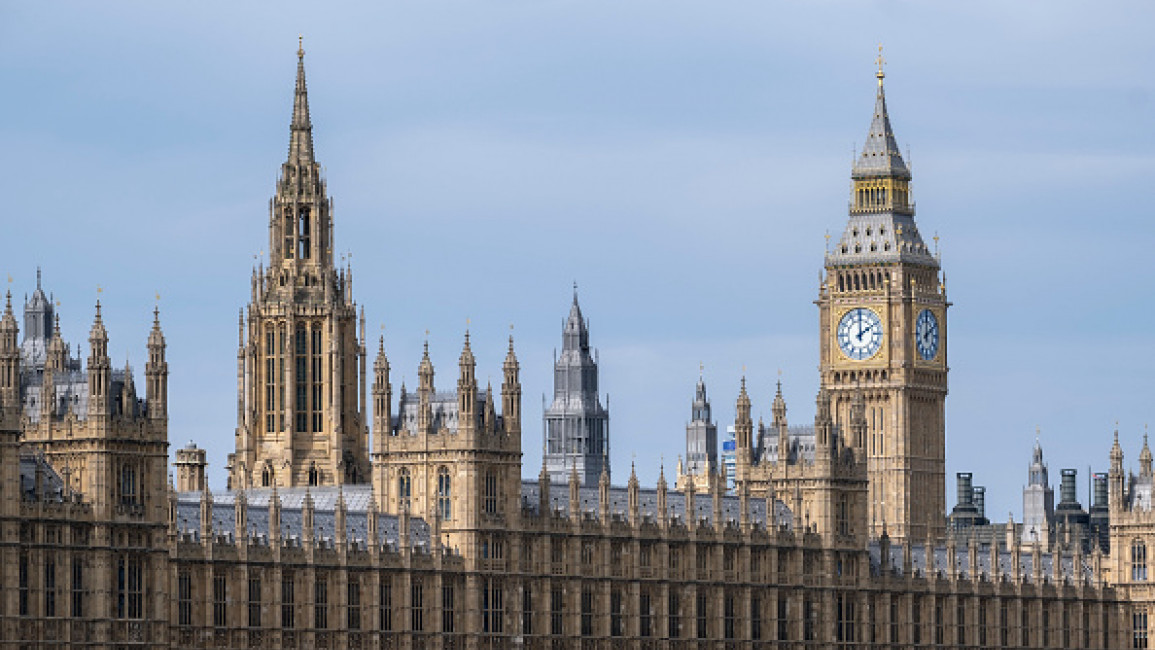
308	519
1145	459
241	518
1115	476
511	394
339	514
99	370
575	506
156	373
425	390
632	495
190	469
467	415
743	436
544	508
604	496
9	363
779	424
382	399
744	506
206	515
54	363
372	524
275	518
663	507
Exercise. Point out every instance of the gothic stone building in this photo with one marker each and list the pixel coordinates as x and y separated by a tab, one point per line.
429	538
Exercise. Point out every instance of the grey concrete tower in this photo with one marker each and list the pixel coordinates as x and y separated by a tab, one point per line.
701	435
1038	501
576	426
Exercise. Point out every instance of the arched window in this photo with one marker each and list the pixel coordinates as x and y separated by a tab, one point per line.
1138	561
444	492
303	234
489	494
404	488
266	476
314	475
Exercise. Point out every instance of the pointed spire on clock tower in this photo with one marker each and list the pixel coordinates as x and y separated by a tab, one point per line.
881	226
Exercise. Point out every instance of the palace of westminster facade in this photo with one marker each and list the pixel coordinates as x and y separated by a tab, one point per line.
425	535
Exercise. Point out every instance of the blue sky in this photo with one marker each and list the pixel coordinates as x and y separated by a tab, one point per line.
680	160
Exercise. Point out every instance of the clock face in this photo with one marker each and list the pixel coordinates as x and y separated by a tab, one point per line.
926	335
860	333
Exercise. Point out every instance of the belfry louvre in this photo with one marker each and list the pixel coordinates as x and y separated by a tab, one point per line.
412	527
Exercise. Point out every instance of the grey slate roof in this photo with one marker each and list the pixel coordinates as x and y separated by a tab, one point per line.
51	485
881	237
880	155
443	405
648	504
982	568
801	443
357	504
292	502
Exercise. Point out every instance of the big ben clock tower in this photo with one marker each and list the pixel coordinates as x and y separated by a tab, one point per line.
882	319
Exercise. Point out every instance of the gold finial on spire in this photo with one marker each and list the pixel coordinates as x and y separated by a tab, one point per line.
301	46
99	290
881	62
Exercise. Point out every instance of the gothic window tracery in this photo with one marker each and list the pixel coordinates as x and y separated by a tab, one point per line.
444	492
489	499
404	487
303	234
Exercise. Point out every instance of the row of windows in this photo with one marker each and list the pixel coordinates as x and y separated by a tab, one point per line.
129	594
796	618
321	605
298	234
308	378
444	503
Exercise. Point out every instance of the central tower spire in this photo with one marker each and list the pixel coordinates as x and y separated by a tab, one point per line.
301	128
301	365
